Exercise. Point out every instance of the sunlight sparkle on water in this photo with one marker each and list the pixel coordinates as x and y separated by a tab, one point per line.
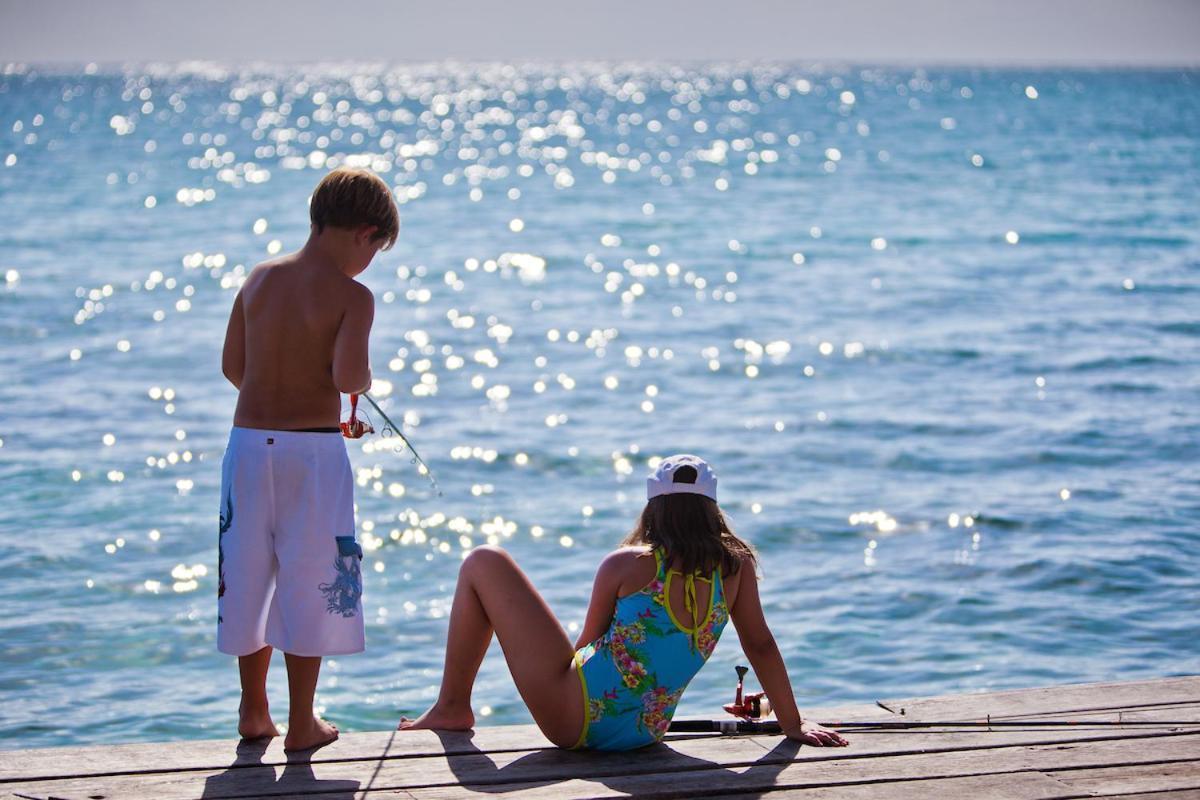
695	211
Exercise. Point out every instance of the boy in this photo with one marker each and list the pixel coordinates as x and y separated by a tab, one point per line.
288	559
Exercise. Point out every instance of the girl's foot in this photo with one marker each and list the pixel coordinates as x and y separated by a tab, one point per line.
257	725
309	737
442	719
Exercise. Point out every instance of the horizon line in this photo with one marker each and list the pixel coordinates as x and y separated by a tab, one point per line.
16	66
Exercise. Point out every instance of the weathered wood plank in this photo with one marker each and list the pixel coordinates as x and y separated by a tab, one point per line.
364	750
1170	794
1022	785
917	774
1053	700
223	753
251	781
1166	717
1019	786
1178	775
518	759
765	775
59	762
711	766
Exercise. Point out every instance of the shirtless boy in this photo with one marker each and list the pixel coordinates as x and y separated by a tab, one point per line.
288	560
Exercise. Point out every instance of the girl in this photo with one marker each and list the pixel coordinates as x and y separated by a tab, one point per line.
658	606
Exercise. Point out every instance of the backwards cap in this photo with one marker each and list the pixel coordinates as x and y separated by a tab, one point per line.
663	479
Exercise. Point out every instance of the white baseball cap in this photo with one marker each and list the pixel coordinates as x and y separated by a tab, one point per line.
663	479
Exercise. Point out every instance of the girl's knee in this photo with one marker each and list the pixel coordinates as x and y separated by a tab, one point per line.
487	556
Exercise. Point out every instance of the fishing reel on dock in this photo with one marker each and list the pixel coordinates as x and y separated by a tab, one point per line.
748	706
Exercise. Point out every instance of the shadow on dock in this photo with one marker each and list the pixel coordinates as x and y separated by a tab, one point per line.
248	776
624	772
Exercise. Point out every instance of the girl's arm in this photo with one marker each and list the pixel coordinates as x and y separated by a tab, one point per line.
604	596
759	645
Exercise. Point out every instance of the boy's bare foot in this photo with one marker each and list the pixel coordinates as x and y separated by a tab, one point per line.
256	725
442	719
309	737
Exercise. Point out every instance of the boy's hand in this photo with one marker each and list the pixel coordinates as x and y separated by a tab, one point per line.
811	733
356	429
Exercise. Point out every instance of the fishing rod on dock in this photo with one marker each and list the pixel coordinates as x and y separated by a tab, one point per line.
749	709
771	727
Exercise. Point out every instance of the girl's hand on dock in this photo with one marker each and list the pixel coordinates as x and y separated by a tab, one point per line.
813	734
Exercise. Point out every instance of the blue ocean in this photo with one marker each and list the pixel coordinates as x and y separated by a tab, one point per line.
937	330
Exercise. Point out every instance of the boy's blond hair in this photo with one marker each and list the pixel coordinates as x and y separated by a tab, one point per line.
347	198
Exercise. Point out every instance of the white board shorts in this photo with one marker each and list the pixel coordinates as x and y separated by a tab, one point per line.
289	565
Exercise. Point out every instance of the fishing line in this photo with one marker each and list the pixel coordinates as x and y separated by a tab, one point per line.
354	429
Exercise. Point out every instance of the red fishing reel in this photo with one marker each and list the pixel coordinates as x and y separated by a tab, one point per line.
748	706
355	428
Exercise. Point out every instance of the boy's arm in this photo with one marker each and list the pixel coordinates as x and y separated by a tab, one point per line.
233	356
351	361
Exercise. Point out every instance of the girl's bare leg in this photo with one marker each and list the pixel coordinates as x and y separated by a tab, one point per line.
494	595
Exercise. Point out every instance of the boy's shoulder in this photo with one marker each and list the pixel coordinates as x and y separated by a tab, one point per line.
343	286
359	292
263	268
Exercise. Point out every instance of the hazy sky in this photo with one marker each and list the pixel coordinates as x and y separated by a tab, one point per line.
1165	32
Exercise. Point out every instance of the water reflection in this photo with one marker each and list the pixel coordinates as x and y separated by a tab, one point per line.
859	291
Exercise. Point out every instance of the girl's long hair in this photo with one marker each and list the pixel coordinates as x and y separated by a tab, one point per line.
691	530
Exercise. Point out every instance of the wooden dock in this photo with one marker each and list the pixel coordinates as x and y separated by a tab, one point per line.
1135	741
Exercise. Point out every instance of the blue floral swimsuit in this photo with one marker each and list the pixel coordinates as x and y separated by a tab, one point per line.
635	673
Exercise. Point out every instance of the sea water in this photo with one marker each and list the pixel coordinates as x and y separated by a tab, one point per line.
937	330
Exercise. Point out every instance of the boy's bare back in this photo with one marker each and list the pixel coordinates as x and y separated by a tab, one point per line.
304	327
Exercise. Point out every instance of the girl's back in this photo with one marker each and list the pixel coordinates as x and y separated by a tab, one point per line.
639	567
664	627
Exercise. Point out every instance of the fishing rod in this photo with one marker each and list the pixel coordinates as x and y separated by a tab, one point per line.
750	708
770	727
1033	723
355	428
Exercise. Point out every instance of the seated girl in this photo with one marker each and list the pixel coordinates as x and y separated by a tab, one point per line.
658	606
